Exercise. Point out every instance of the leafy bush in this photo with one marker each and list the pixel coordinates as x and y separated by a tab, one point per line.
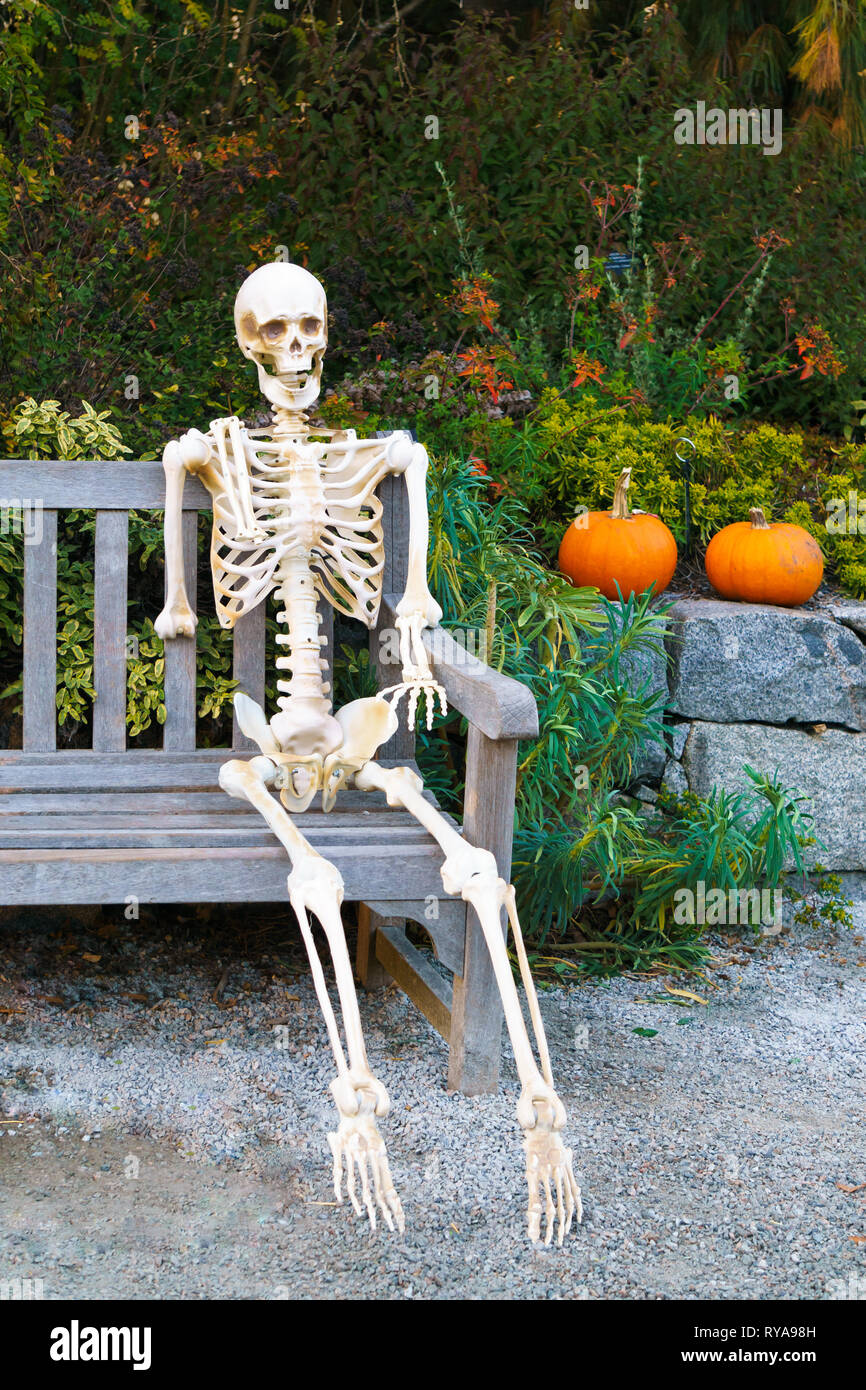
42	430
569	453
591	862
122	255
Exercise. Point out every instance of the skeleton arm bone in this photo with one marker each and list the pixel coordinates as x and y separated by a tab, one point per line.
417	608
191	452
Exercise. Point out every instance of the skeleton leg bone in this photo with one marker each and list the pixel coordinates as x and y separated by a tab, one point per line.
473	874
315	886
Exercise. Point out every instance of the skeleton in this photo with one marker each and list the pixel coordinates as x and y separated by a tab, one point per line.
295	512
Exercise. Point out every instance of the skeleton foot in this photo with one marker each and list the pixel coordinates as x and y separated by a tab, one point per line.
359	1147
549	1170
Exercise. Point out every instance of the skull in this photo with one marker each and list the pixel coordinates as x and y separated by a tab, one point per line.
281	321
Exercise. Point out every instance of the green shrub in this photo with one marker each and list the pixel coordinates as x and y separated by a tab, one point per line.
122	255
45	431
569	454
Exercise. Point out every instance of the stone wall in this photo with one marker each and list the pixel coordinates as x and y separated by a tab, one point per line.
782	690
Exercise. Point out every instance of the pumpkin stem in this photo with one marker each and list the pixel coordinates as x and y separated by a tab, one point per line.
620	500
758	520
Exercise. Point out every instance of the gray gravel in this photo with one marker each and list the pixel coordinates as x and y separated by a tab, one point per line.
173	1145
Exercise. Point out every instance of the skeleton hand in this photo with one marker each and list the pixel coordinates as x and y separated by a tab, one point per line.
359	1144
414	688
548	1164
417	676
176	620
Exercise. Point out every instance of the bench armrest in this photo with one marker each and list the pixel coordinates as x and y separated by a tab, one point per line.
501	707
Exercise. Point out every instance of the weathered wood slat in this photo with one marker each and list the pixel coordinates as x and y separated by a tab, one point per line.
447	931
133	757
47	803
83	776
17	757
85	819
69	838
200	875
183	779
101	855
96	484
179	729
109	630
369	972
349	806
396	827
248	667
40	631
111	772
398	832
416	976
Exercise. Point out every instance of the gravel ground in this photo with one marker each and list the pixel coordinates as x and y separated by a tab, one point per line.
170	1143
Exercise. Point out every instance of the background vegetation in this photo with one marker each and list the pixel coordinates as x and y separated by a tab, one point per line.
523	267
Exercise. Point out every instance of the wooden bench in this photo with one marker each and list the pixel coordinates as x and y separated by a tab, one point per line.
109	824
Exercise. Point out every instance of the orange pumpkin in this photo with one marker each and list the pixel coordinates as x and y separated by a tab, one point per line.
762	563
631	549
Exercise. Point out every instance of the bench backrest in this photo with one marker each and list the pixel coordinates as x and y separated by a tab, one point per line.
112	489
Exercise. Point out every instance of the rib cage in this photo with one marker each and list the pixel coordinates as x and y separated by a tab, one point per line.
342	532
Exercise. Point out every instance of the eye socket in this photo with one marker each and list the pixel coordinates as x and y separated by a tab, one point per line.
311	326
273	331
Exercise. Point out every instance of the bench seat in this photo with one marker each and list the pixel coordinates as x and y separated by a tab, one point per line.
79	827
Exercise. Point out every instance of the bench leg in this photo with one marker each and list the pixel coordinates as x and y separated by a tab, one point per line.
476	1020
368	970
488	822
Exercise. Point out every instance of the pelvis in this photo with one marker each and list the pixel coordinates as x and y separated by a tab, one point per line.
313	749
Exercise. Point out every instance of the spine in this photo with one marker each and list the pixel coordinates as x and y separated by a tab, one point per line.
297	595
